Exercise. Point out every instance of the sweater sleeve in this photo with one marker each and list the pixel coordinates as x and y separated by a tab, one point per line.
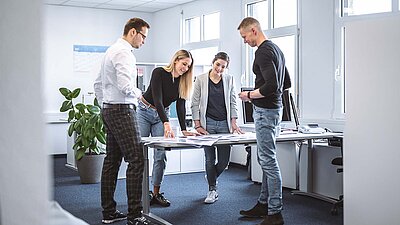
157	93
181	111
287	83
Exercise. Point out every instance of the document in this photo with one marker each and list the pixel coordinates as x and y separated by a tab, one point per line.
198	141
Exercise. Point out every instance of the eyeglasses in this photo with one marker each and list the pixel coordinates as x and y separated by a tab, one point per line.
143	36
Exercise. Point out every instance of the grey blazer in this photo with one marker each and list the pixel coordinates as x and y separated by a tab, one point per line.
200	98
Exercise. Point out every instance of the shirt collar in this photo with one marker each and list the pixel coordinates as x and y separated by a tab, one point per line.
125	43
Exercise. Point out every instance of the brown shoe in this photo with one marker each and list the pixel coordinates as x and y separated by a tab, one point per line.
275	219
258	211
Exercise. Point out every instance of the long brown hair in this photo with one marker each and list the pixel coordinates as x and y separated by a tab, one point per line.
186	80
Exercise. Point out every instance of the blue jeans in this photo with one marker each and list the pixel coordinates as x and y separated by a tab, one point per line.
266	121
224	151
150	123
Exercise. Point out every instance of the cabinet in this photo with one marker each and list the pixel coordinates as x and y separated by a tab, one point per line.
286	156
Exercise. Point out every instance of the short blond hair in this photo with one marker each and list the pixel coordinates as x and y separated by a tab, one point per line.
248	22
186	80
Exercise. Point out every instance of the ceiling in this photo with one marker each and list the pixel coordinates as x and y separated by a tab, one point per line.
148	6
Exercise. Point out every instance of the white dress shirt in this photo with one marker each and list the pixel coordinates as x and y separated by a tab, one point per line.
116	83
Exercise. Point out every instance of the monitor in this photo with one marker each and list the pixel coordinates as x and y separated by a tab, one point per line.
287	101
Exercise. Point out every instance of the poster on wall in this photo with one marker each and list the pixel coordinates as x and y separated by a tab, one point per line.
88	57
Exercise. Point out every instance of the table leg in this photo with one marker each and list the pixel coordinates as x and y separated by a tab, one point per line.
145	192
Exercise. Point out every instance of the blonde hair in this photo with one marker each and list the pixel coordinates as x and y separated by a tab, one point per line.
186	80
248	22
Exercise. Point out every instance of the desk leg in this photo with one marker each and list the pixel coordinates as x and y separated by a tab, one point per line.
309	186
145	185
297	160
145	192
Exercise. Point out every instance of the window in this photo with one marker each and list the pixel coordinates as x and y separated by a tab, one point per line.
259	10
211	25
278	19
201	38
353	10
196	27
285	13
204	56
362	7
192	26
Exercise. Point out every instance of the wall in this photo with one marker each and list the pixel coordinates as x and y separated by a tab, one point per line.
64	27
317	61
371	147
24	166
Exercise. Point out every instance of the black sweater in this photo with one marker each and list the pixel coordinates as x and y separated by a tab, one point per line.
162	91
272	76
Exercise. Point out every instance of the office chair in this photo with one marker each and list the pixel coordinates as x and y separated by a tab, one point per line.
338	161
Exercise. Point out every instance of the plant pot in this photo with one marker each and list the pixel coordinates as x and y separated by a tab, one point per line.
89	168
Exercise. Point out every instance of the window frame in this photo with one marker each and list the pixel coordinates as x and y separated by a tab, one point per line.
341	20
272	33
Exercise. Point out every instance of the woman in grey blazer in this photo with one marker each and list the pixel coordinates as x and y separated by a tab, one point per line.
214	111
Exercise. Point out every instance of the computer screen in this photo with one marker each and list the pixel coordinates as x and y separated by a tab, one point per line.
287	110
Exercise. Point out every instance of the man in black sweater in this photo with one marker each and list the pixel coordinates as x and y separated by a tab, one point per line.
272	78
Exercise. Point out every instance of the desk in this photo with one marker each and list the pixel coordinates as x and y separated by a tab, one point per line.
249	138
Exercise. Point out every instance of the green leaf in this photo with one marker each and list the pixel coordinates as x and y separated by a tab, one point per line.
81	107
78	115
93	119
85	142
80	153
98	126
91	133
96	102
76	145
64	91
75	93
93	109
97	150
71	129
66	105
101	137
71	115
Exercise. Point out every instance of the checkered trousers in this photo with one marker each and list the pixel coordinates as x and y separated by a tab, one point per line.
123	140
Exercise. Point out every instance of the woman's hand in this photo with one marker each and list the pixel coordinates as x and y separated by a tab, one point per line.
201	130
235	127
168	132
188	133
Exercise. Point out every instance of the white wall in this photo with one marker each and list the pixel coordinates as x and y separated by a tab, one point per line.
316	60
371	147
24	166
68	26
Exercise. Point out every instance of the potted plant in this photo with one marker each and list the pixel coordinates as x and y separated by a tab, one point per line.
87	126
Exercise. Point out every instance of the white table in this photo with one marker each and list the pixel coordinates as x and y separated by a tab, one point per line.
182	143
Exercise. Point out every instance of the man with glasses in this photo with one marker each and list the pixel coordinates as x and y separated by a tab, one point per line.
116	89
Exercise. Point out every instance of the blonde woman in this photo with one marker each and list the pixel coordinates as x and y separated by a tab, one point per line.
168	84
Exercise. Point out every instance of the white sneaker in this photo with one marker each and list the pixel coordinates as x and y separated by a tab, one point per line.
212	196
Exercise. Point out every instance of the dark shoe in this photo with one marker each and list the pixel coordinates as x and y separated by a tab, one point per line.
111	218
275	219
159	199
258	211
139	221
150	196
